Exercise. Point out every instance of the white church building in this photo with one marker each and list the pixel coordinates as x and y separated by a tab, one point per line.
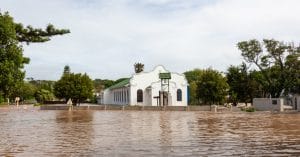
158	87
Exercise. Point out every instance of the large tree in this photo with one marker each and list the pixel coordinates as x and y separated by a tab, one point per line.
212	87
277	61
12	61
206	86
11	57
243	84
77	87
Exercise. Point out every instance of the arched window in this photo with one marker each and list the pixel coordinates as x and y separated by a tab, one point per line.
179	95
139	95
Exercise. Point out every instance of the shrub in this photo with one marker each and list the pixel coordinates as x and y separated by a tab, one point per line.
250	109
37	104
43	95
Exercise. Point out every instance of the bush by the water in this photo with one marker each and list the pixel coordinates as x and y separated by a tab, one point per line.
249	109
37	104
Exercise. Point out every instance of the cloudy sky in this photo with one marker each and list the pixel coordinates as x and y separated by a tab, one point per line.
108	36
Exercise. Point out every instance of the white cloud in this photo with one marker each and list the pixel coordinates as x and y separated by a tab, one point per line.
109	36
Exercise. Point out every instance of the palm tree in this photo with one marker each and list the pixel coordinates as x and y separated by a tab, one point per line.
138	67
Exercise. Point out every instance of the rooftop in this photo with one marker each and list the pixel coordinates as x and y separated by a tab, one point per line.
120	84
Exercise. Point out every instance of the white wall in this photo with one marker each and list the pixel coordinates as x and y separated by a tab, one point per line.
296	101
266	104
114	96
107	97
151	80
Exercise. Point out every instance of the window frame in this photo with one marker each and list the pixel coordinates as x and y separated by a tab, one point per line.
179	95
139	96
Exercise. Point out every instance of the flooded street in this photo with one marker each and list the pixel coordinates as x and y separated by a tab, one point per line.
147	133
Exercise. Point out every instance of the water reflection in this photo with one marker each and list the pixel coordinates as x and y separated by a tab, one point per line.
165	133
141	133
74	130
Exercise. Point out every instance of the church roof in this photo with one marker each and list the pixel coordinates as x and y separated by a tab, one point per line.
120	84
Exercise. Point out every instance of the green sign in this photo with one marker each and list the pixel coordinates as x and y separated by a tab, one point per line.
165	75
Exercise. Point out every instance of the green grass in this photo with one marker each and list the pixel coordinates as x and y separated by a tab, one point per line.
250	109
37	104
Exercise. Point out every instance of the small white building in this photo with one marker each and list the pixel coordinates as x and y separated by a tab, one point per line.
274	104
269	104
296	102
158	87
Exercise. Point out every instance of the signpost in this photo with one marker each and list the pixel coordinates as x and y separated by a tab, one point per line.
17	99
164	92
70	104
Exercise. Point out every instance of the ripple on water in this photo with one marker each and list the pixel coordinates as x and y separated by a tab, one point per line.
136	133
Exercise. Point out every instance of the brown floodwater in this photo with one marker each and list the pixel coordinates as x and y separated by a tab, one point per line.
33	132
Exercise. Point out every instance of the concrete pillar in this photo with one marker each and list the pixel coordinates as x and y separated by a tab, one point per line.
281	105
297	102
214	108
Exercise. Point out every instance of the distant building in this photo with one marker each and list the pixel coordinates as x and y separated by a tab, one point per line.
155	88
277	104
269	104
296	102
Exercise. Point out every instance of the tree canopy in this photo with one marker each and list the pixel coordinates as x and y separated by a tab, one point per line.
29	34
206	86
12	61
278	63
243	84
11	57
77	87
212	87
